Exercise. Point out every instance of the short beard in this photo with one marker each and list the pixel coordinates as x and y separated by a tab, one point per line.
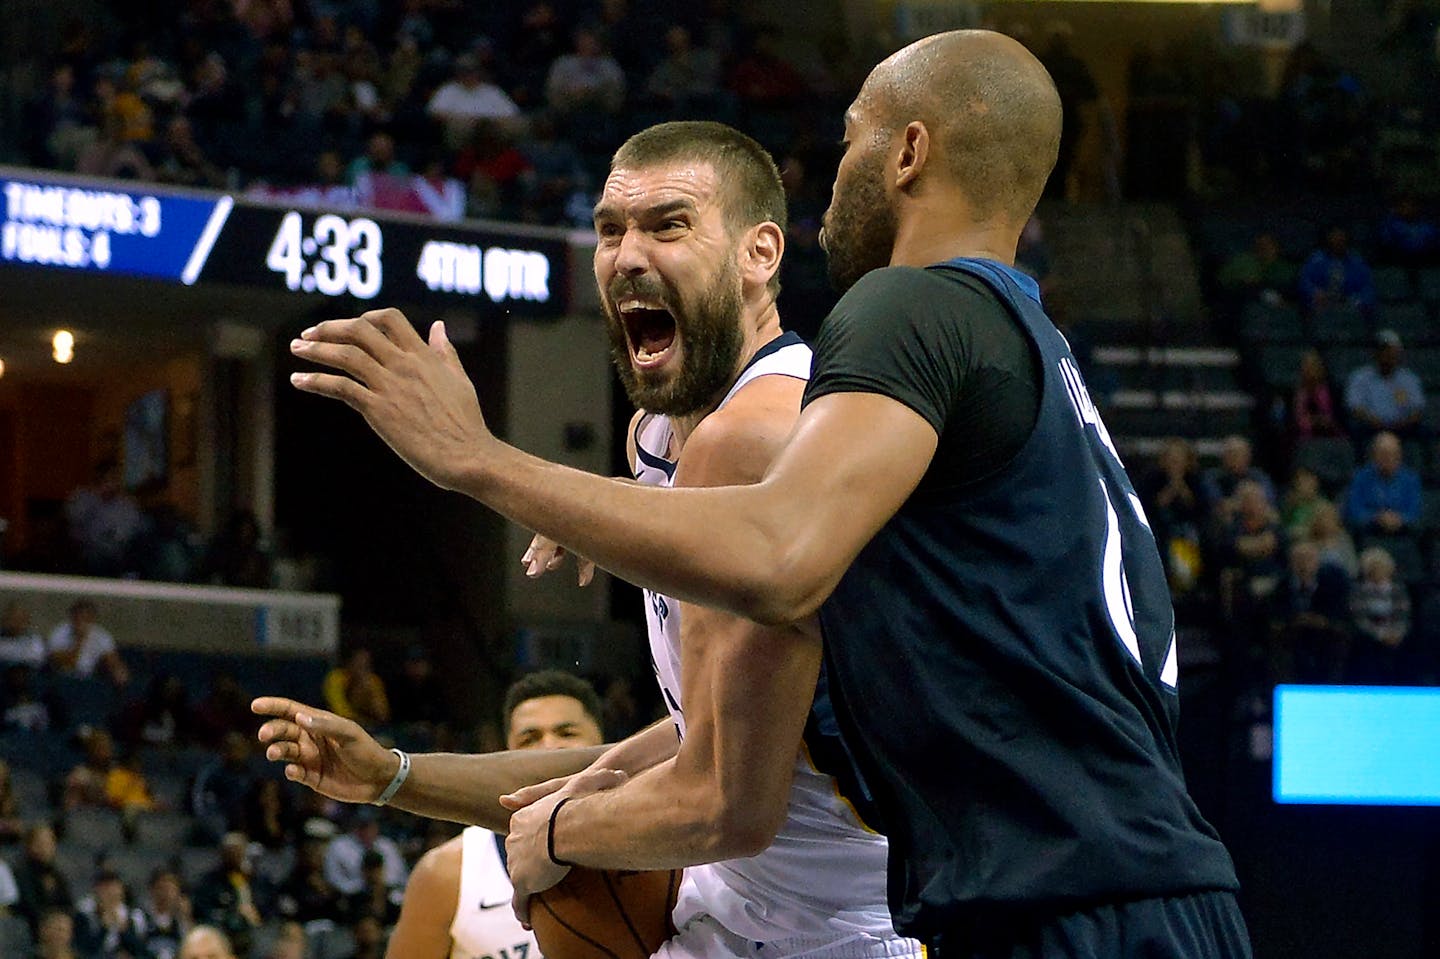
860	225
709	333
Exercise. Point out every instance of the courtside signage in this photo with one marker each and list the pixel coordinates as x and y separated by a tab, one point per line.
191	238
1357	745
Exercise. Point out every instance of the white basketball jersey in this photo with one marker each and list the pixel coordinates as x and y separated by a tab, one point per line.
824	876
485	926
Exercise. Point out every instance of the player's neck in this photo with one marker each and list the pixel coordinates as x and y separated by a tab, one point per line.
919	243
759	330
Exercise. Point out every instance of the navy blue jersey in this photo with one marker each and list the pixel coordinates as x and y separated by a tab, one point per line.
1001	656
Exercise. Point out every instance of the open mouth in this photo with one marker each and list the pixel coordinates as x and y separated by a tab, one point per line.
651	331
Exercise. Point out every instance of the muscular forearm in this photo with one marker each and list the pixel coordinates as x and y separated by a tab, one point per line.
649	747
709	546
664	819
466	788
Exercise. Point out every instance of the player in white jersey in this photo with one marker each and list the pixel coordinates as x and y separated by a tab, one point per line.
457	903
690	235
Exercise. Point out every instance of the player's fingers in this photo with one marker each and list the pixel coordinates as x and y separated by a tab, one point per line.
279	730
521	905
596	780
587	572
342	388
320	723
395	327
340	356
521	798
440	343
359	331
277	706
283	752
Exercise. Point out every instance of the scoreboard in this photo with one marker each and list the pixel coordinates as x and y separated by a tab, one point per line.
195	239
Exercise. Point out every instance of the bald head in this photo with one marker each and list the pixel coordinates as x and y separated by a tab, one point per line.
991	109
206	942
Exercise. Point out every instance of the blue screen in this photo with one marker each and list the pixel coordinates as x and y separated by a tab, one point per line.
1357	745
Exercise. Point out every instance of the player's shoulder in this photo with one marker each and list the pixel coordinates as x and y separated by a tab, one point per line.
440	865
736	444
915	291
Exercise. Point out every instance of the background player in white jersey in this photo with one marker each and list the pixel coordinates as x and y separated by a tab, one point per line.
457	903
690	231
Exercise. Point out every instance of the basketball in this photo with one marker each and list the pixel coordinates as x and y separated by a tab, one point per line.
597	914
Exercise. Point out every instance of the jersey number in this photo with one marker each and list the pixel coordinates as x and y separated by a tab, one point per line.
1119	607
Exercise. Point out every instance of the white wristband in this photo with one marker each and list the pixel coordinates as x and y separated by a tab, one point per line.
401	775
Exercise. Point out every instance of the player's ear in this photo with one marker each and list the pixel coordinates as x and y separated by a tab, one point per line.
763	252
914	152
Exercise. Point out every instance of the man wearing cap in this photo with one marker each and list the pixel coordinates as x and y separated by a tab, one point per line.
1384	396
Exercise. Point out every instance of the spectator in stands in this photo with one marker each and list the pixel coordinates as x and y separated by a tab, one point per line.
111	155
1300	502
378	160
20	642
23	707
182	160
82	647
103	782
270	818
1173	502
103	520
356	691
12	827
307	895
1333	541
345	855
539	40
369	939
43	887
468	98
1405	237
1384	395
168	914
106	926
217	797
1261	272
55	936
1219	484
585	81
226	708
9	892
1312	409
163	717
376	897
557	177
761	76
415	695
237	557
1384	495
290	944
55	123
229	897
1310	618
208	942
494	171
688	78
1381	609
1254	543
1336	275
166	548
1078	90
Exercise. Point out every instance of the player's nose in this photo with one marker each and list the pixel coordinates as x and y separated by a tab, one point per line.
632	258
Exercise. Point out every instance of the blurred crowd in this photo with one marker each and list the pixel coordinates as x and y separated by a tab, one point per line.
505	111
136	803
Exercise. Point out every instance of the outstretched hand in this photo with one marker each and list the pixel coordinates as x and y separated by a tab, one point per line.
333	756
546	556
415	395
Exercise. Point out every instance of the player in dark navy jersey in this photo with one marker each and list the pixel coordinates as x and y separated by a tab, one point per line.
997	632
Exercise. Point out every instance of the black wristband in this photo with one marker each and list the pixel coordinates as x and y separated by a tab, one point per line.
550	835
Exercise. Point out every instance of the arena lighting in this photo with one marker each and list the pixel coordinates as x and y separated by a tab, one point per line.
62	346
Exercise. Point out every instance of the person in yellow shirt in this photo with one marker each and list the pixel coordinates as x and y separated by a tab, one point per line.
356	691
